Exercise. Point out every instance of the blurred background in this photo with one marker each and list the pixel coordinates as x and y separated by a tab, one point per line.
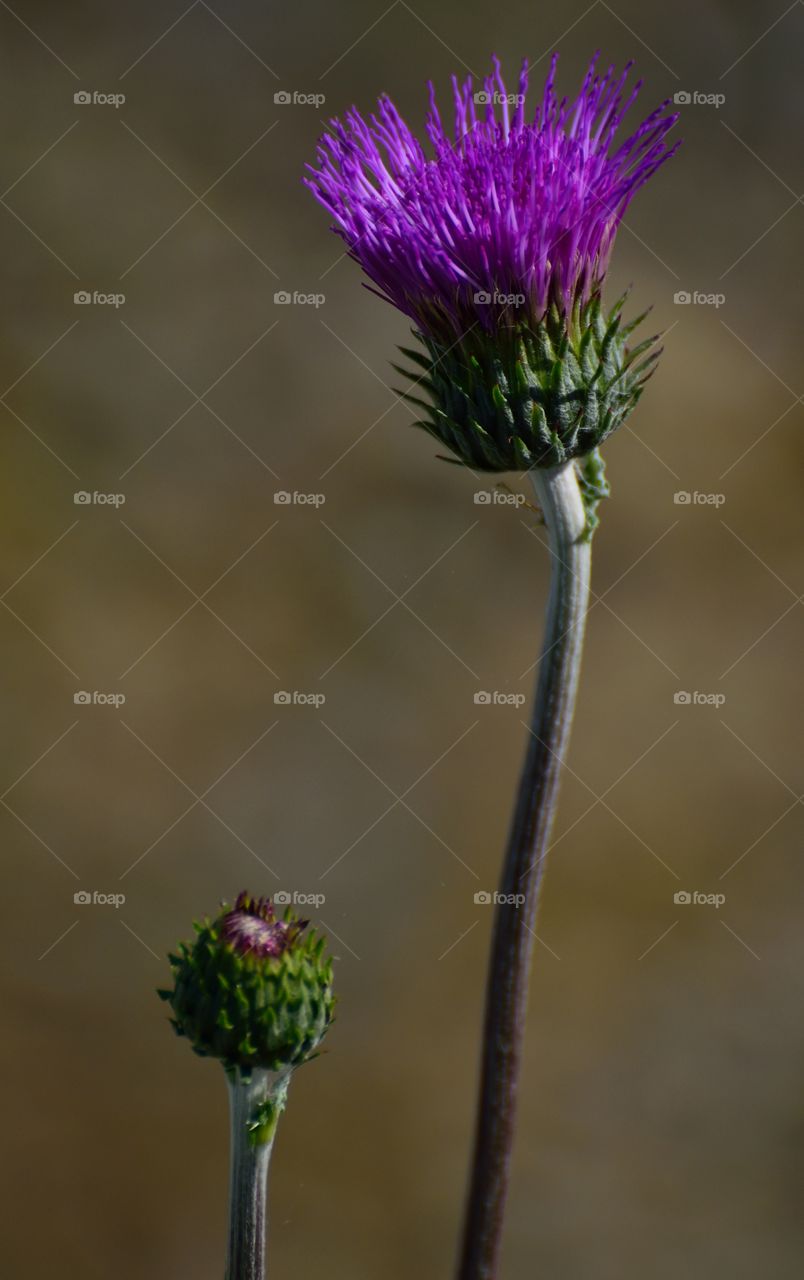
662	1125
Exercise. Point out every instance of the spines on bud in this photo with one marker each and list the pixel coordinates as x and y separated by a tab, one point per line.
253	990
534	397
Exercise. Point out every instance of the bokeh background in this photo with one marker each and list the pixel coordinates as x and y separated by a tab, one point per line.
662	1127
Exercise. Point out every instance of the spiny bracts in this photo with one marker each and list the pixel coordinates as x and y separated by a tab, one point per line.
535	397
252	990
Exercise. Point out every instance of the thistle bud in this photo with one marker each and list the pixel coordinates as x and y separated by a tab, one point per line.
252	990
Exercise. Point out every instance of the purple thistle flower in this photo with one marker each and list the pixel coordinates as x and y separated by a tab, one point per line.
506	219
251	926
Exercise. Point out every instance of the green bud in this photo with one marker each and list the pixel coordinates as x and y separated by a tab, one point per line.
524	397
252	990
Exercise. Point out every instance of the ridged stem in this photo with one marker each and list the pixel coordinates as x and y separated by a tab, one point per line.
560	500
248	1172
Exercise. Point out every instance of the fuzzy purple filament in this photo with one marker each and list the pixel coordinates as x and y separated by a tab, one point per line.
251	926
523	213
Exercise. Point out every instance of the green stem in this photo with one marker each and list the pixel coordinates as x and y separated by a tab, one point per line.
560	500
255	1104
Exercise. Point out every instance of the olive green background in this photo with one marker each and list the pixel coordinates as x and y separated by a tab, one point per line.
662	1124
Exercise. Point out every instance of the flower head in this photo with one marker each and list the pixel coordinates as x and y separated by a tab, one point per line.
509	214
496	246
252	990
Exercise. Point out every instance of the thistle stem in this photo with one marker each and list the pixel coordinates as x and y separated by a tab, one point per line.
248	1174
560	500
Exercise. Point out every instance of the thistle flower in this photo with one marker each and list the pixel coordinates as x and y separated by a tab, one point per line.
496	246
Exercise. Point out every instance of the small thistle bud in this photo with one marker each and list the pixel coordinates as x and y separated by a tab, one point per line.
253	990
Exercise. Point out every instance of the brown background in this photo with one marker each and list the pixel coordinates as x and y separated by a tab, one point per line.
662	1124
